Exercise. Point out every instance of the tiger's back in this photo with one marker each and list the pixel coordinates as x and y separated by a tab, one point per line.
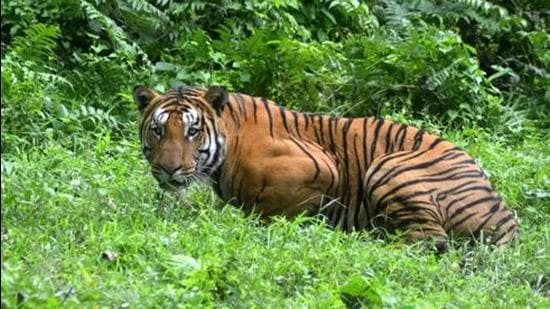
358	172
374	171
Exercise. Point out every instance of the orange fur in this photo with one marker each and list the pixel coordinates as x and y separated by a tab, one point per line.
358	172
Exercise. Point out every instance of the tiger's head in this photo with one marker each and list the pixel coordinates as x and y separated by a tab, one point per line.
182	133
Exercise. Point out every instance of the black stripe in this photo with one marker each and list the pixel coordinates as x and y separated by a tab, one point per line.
343	216
437	206
255	108
452	169
389	144
239	105
443	195
317	137
306	119
346	190
404	198
412	209
332	178
493	209
466	162
417	221
410	183
460	199
513	227
179	93
475	174
416	167
215	135
418	139
452	149
233	182
488	215
317	169
233	115
424	180
379	124
242	106
403	131
504	220
413	155
320	119
360	188
332	120
283	116
470	205
365	141
209	135
296	124
435	143
236	146
458	223
268	111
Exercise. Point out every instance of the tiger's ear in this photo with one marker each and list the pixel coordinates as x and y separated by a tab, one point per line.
217	97
143	96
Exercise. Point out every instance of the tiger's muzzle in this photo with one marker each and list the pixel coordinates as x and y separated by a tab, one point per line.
174	179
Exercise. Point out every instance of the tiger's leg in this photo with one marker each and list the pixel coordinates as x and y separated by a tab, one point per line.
294	180
290	191
477	210
419	220
395	193
434	191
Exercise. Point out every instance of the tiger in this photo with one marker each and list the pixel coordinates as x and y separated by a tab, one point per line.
357	173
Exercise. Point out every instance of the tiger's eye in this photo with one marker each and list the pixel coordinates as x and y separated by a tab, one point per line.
157	130
192	131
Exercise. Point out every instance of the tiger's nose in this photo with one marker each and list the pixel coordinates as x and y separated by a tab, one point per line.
170	170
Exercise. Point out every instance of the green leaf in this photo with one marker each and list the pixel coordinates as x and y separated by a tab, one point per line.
358	290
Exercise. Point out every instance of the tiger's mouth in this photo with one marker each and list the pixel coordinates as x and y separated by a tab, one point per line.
178	180
174	185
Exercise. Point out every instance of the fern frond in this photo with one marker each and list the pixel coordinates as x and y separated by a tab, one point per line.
115	33
148	8
437	79
488	15
38	44
396	15
486	7
150	15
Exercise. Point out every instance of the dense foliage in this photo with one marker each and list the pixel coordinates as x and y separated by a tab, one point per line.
475	71
68	65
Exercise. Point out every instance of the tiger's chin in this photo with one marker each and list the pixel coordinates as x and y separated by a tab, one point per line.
180	184
175	186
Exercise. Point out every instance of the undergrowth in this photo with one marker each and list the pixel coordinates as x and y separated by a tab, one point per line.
91	227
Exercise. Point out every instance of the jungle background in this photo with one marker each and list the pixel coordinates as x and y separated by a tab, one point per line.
83	222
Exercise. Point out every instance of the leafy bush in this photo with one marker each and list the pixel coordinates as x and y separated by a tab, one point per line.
468	63
29	85
428	71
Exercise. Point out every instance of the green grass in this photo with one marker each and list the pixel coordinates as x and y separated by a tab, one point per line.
64	211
